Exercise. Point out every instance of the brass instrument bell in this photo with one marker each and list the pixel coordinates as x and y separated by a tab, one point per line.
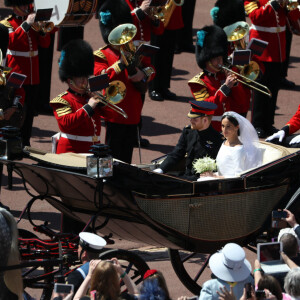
250	71
164	13
237	33
44	27
122	36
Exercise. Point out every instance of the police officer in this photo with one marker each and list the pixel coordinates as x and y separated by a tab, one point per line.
90	245
196	141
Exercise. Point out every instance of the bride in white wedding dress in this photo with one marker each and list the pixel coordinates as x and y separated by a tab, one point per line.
240	150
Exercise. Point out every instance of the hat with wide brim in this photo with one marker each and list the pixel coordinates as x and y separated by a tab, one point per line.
230	264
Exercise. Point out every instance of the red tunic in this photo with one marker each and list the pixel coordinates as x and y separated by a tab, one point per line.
73	119
269	24
294	122
107	61
206	87
22	51
144	25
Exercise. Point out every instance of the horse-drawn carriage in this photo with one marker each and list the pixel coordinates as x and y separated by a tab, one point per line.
165	210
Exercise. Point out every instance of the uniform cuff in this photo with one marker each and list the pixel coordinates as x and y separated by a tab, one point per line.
275	5
88	109
295	227
155	22
286	130
25	26
225	90
140	14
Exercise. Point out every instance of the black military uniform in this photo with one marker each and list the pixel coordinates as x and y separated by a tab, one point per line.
194	144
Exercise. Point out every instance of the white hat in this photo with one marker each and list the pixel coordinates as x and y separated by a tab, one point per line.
230	264
91	242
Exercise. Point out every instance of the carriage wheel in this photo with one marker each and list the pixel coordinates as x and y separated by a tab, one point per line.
181	260
133	264
48	289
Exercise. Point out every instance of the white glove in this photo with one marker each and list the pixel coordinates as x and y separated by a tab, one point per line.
295	140
278	135
158	170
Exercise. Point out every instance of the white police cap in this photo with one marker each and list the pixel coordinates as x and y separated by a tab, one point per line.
91	242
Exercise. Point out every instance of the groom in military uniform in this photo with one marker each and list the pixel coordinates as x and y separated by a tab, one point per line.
196	141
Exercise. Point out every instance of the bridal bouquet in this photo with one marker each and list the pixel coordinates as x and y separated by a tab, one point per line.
205	164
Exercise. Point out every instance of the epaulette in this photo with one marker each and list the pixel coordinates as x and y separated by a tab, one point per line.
60	100
100	54
197	79
6	23
250	7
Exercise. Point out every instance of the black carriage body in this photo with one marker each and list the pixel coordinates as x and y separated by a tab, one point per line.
161	210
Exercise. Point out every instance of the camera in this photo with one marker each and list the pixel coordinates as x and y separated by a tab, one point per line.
279	214
260	294
62	288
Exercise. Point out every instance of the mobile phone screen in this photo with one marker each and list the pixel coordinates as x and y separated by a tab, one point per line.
279	214
61	288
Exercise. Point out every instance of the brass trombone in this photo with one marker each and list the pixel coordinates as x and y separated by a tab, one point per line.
247	80
114	94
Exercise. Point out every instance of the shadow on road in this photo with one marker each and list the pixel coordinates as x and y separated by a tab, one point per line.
152	128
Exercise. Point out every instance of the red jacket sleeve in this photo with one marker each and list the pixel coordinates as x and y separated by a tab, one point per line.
294	122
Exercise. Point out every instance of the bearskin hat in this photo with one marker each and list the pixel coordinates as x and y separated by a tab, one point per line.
3	39
76	60
17	2
227	12
211	42
113	13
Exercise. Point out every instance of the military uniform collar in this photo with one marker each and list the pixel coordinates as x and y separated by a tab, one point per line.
77	94
211	74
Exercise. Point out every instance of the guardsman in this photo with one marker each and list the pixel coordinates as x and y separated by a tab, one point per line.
269	24
163	59
121	133
22	56
213	85
286	135
196	141
77	113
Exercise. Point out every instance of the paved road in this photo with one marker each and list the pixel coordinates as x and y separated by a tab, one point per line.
163	122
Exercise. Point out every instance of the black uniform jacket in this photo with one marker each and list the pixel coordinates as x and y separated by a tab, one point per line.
193	144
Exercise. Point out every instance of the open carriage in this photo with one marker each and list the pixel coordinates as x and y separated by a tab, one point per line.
164	210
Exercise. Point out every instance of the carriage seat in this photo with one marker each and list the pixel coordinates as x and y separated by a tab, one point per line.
273	152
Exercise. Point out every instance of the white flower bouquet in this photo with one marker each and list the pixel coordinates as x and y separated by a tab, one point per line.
205	164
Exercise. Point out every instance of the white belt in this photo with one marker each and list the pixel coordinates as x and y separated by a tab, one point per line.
217	118
268	29
92	139
21	53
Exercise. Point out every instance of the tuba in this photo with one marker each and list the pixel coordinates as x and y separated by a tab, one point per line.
237	34
122	37
164	13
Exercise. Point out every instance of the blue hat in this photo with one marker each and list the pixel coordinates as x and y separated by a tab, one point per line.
201	109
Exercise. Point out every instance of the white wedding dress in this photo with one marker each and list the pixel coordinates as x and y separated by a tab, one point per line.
232	161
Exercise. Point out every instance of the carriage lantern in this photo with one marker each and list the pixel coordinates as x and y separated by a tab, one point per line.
10	143
100	164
